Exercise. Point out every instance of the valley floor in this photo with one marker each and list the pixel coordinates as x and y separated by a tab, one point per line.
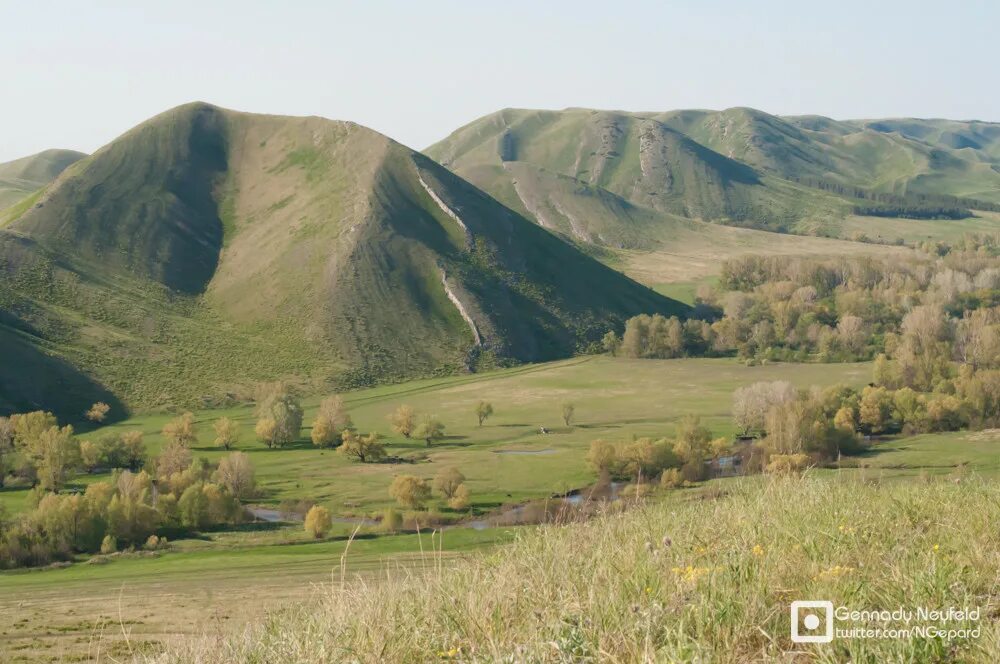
224	579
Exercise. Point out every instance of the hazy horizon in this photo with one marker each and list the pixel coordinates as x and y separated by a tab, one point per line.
418	73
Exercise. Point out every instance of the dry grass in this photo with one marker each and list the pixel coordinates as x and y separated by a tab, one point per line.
696	577
697	249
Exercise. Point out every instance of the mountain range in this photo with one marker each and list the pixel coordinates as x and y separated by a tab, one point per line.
207	249
593	175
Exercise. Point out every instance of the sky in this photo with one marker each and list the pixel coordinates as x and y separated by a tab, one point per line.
75	75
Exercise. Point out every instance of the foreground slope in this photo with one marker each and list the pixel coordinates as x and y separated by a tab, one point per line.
22	177
704	576
208	249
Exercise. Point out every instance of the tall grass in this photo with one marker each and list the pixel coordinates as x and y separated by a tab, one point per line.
696	577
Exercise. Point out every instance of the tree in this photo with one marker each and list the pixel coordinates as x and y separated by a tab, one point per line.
98	412
568	410
447	481
882	373
318	521
366	449
460	499
692	446
55	454
266	430
278	402
751	403
227	433
403	421
603	457
410	491
236	473
484	410
90	455
430	430
174	458
323	433
331	420
611	343
181	430
875	408
845	420
135	449
6	446
29	426
193	507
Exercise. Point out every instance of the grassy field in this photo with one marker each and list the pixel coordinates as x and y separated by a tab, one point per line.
201	584
695	251
614	399
135	603
699	577
918	230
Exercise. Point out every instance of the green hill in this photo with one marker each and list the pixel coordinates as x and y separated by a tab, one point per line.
206	250
22	177
739	166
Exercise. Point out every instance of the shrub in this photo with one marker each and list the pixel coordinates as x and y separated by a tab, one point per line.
318	521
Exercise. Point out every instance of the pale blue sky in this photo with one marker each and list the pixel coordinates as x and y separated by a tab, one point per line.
75	75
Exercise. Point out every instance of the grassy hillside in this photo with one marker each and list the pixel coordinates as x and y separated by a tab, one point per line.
739	166
705	577
206	250
635	157
22	177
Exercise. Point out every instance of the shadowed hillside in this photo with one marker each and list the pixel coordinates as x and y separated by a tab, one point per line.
207	249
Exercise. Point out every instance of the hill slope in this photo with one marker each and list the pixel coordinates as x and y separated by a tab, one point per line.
21	177
739	166
207	249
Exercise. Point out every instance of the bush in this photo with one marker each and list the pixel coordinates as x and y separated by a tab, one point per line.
318	521
109	544
392	520
671	479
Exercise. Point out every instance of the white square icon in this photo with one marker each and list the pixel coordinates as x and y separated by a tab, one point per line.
812	621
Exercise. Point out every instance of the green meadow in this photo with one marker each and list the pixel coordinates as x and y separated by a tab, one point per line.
222	579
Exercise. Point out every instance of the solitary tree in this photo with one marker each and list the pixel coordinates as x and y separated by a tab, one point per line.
447	481
366	449
98	412
318	521
403	420
410	491
484	409
181	430
568	410
430	430
227	432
